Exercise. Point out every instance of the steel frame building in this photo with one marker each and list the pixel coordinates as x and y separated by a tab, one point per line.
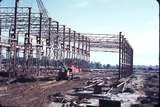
33	44
115	44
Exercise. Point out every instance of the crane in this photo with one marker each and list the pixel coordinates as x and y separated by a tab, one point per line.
42	9
65	72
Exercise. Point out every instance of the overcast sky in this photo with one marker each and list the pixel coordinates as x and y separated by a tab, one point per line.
137	19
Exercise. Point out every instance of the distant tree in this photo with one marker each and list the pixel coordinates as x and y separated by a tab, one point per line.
150	68
104	66
117	66
92	65
108	66
98	65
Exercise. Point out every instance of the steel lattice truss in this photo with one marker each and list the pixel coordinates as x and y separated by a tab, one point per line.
104	42
114	43
41	42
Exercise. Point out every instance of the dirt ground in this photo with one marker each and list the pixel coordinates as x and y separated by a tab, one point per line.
35	94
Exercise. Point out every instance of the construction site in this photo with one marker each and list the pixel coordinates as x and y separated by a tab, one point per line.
44	63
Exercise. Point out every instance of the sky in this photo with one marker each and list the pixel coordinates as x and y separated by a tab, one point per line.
136	19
